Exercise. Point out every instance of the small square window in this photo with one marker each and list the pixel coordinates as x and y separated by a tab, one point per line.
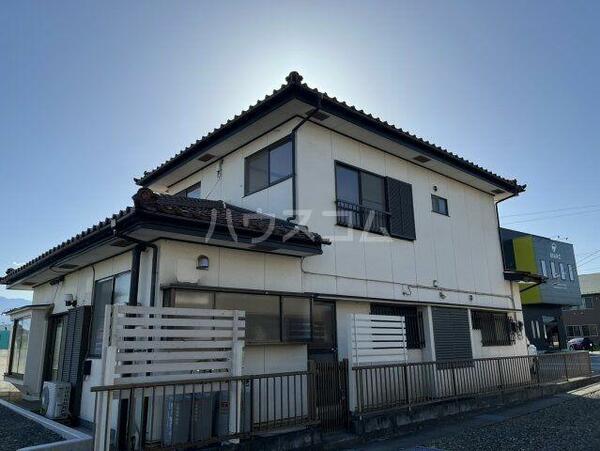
439	205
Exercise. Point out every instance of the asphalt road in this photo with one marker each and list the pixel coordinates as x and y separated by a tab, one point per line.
565	422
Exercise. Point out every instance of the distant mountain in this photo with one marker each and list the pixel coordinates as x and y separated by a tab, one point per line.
7	304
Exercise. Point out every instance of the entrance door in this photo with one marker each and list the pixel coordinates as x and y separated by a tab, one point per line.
323	346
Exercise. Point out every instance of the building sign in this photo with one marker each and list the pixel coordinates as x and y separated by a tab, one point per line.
554	251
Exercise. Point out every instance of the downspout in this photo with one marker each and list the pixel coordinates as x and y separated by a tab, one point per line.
515	194
135	267
293	134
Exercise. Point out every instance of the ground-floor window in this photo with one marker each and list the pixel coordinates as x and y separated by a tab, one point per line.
109	291
20	345
269	318
413	317
586	330
57	340
495	327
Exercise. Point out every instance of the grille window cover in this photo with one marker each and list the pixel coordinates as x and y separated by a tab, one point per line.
495	327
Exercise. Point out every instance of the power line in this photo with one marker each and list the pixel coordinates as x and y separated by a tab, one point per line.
539	212
553	216
587	259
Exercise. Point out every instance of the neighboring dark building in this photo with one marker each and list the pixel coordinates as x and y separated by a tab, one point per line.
583	320
543	303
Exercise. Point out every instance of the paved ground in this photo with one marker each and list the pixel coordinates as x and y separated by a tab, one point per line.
565	422
18	432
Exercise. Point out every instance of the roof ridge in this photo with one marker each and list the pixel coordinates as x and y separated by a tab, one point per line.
294	79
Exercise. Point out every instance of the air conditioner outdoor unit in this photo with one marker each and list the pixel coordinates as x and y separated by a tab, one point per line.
55	399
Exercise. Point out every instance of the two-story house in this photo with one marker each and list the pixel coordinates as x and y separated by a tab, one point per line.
299	211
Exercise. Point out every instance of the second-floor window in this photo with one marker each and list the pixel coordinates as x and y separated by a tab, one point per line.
571	273
192	191
553	270
360	199
370	202
269	166
439	205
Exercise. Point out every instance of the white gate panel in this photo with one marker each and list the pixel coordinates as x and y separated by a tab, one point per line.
377	338
154	344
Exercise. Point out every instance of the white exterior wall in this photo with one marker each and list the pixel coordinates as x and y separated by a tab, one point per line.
461	252
276	200
80	284
230	268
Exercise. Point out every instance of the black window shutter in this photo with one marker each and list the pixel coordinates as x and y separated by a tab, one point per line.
451	334
77	324
400	206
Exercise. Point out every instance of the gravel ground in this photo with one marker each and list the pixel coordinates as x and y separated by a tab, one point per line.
17	431
571	425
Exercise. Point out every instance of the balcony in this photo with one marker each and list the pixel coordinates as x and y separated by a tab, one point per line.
362	218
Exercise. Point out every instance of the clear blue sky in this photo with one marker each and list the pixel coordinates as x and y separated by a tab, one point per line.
92	94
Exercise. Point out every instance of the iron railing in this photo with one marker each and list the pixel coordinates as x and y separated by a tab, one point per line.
193	413
381	387
363	218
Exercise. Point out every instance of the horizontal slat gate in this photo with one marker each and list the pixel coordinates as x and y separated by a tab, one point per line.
153	344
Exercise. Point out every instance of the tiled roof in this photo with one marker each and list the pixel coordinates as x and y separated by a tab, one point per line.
294	81
90	232
198	211
223	214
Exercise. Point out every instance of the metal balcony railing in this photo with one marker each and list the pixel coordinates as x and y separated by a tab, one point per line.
363	218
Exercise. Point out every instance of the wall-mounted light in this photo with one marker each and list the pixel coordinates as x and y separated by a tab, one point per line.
435	188
202	263
435	283
70	301
442	295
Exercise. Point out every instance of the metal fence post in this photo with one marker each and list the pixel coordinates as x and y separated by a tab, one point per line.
566	368
500	374
454	378
406	386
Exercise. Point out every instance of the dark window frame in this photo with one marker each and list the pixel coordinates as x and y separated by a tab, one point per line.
434	204
385	214
91	343
9	370
185	192
51	341
268	149
169	296
490	323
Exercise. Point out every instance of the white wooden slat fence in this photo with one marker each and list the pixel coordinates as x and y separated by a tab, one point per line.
377	338
374	339
155	344
162	344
